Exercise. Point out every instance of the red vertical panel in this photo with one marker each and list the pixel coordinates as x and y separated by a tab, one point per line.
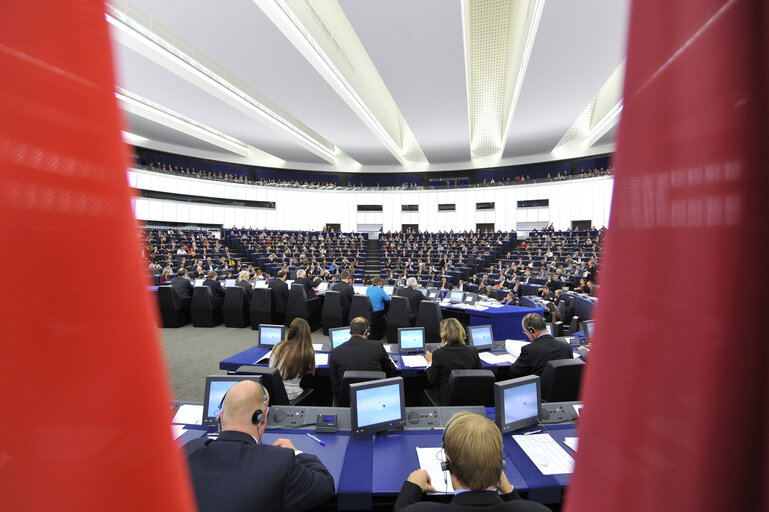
677	388
83	385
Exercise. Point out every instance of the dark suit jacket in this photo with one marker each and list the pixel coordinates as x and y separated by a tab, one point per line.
247	287
488	501
279	294
357	354
216	288
447	358
536	354
414	296
304	281
183	287
234	473
346	293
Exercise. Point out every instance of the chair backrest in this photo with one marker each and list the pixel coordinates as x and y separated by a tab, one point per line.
235	298
361	306
471	387
202	297
260	310
430	317
297	303
331	314
271	380
353	377
166	296
558	329
574	325
561	380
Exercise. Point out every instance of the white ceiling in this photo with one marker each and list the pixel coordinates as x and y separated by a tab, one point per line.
418	50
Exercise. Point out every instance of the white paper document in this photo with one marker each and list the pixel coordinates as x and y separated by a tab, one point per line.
177	430
265	358
414	361
490	358
317	346
189	414
514	347
577	408
494	305
571	442
546	454
430	460
575	355
321	359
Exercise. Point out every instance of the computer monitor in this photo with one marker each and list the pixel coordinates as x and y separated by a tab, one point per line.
517	403
359	289
587	328
270	335
199	282
322	286
260	283
411	339
229	282
377	405
470	298
216	387
549	327
433	293
339	335
389	289
456	296
481	336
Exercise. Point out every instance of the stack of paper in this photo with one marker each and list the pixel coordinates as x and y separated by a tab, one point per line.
265	358
415	361
490	358
571	442
189	414
430	460
177	430
546	454
514	346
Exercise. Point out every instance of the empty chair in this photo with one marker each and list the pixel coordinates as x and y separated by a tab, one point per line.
573	326
466	387
299	306
235	307
561	380
397	317
273	383
174	311
352	377
202	309
430	317
260	311
360	306
331	314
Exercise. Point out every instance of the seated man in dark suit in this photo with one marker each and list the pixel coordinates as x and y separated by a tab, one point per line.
413	295
358	354
236	472
216	289
543	348
242	281
301	278
279	294
472	445
182	285
346	293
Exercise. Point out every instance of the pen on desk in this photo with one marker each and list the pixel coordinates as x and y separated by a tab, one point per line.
316	439
525	433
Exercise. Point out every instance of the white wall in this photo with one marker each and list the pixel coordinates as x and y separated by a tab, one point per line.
583	199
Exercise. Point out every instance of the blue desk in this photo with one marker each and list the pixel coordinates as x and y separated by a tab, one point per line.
505	321
332	455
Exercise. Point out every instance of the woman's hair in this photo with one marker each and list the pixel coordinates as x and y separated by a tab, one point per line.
452	332
294	356
376	281
555	314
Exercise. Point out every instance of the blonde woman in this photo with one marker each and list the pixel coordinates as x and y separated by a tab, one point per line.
453	354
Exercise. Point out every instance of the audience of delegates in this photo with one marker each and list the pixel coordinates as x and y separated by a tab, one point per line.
472	445
453	354
294	357
359	353
228	473
543	348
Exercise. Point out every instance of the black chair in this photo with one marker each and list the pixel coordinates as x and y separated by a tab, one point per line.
299	306
273	383
558	329
260	311
203	310
174	311
466	387
360	306
561	380
331	314
235	307
352	377
397	317
430	317
573	326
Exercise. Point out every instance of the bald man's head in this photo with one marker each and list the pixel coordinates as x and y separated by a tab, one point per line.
242	401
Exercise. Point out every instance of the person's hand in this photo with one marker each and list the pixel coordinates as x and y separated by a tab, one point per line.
504	485
284	443
429	357
421	478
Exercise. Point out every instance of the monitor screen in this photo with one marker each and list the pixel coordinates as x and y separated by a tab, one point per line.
199	282
216	387
260	283
270	335
322	286
339	335
411	339
480	336
517	403
456	296
433	293
469	298
388	289
587	328
549	328
377	405
359	289
229	282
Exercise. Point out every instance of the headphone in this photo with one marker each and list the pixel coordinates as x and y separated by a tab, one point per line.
446	464
256	418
